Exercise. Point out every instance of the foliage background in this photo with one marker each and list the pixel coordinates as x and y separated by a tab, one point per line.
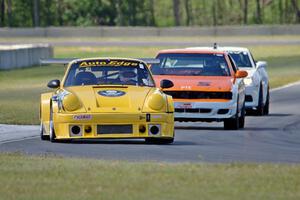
161	13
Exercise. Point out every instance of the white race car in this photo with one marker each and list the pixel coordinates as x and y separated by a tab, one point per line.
257	81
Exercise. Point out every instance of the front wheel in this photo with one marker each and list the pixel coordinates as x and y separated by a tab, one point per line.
242	117
159	140
42	131
233	123
52	135
267	104
260	107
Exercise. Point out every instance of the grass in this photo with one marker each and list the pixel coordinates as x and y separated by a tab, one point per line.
20	93
20	89
48	177
283	70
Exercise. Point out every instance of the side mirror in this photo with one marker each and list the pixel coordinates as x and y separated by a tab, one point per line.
166	83
54	84
241	74
261	64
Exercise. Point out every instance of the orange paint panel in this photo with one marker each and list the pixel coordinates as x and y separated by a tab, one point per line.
198	83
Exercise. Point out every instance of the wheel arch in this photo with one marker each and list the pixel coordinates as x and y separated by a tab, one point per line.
170	103
45	110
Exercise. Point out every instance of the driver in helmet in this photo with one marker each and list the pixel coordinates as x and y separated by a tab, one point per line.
128	77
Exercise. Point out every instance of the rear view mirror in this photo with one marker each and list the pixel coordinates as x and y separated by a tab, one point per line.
261	64
166	83
54	84
241	74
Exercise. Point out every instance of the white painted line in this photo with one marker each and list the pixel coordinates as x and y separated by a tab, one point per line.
285	86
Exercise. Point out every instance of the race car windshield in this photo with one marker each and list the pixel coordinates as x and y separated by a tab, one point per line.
191	65
241	59
109	75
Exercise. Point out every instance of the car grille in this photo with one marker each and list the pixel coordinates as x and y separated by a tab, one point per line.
248	98
199	95
114	129
193	110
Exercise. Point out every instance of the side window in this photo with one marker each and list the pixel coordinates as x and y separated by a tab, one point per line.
232	63
71	75
169	63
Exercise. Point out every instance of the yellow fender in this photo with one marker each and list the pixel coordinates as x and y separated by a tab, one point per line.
45	111
170	104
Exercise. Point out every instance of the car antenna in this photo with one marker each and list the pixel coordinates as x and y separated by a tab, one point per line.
215	45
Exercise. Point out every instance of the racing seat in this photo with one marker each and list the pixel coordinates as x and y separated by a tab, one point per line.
85	78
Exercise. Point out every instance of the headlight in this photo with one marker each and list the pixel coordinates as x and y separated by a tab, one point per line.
156	101
67	101
248	81
70	102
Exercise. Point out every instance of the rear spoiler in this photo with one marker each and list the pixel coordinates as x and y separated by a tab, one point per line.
64	61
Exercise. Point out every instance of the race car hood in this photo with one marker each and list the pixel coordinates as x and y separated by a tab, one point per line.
111	99
198	83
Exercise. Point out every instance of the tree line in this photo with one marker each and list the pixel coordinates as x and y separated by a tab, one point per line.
161	13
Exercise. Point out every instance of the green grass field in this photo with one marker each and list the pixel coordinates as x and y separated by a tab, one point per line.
20	89
48	177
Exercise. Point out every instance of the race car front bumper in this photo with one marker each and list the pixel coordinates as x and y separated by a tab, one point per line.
113	125
252	95
204	111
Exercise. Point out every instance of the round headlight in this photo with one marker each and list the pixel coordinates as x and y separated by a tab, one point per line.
156	101
71	102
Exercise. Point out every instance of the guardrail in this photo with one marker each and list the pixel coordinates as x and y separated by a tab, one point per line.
19	56
104	31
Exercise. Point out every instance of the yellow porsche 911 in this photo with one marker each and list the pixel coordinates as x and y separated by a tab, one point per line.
107	98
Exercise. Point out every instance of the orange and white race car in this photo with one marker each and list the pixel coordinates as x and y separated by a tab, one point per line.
207	85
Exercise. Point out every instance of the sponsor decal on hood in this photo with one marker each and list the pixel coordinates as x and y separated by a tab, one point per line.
111	93
204	83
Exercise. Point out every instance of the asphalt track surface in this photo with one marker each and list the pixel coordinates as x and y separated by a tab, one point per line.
274	138
132	43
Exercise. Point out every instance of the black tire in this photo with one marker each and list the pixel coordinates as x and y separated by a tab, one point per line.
260	108
267	104
242	117
232	123
43	137
52	136
159	140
